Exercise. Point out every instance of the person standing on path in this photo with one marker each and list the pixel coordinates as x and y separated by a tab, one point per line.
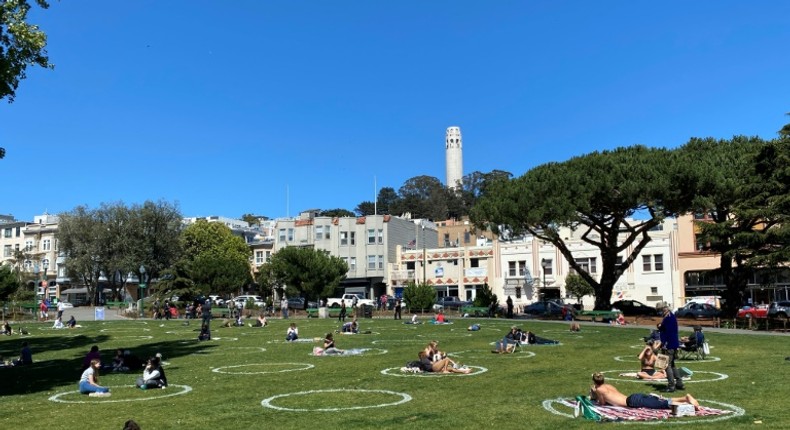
397	309
342	315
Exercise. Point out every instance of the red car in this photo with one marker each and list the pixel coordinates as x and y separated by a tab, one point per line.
753	312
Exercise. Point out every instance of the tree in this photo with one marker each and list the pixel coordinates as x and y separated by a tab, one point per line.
485	297
303	272
387	200
114	240
423	197
576	286
740	185
215	259
597	193
9	283
365	208
419	296
252	219
337	213
21	45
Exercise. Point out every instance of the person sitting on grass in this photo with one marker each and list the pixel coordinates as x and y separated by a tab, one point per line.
261	322
329	346
509	341
443	365
648	360
89	381
606	394
440	318
350	327
292	333
71	323
153	375
58	323
205	332
7	328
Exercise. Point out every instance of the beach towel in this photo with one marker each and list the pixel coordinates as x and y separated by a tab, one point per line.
616	413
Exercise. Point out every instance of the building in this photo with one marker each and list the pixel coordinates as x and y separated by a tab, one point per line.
453	151
32	249
367	244
455	233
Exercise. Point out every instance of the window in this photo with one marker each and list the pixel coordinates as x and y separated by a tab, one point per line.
282	235
46	245
381	236
587	264
344	238
18	231
447	239
352	263
474	262
7	232
653	290
327	228
371	237
27	264
371	262
259	257
517	268
653	262
28	245
699	243
522	266
548	266
511	268
381	262
268	255
7	251
319	232
353	238
467	237
290	235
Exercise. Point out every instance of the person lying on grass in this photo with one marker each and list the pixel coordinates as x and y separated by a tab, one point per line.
606	394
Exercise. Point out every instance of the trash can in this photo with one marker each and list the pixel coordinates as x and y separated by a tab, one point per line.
323	312
367	311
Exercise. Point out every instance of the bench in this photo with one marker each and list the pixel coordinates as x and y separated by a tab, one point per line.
610	315
120	305
478	311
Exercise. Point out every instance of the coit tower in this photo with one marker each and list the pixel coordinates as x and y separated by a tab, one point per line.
453	158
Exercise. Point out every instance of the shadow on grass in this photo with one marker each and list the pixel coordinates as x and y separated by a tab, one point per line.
44	375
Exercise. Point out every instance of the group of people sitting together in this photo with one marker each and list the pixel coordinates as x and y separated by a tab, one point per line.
431	359
71	323
516	337
153	372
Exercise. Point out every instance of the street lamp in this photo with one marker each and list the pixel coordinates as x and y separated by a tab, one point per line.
141	284
424	258
544	263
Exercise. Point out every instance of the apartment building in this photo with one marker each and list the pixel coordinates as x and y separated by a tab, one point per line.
367	244
33	249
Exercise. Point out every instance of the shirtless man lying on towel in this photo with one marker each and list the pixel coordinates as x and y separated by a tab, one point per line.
606	394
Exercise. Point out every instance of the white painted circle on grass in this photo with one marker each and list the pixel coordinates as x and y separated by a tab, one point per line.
267	403
183	390
124	329
355	352
736	412
304	366
519	354
717	377
629	359
395	371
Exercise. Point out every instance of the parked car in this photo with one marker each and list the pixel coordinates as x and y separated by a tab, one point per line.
298	303
66	305
450	302
697	310
634	308
258	300
543	308
753	312
216	300
780	309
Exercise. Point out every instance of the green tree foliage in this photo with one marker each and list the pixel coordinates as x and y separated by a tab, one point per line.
576	286
485	296
9	283
423	197
303	272
215	259
598	194
365	208
387	201
740	185
419	297
252	219
337	213
21	45
114	240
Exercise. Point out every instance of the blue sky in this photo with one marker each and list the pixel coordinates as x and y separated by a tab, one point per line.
222	106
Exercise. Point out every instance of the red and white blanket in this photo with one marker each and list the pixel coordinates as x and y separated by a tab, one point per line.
616	413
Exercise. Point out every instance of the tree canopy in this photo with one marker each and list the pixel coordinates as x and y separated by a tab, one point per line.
21	45
8	282
597	194
216	260
303	272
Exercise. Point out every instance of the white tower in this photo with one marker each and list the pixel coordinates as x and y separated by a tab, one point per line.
453	158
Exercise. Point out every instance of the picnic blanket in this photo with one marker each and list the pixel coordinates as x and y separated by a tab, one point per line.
616	413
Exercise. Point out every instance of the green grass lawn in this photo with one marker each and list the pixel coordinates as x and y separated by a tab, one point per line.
223	382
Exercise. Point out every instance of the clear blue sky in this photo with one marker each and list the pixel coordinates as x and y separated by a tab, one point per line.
221	106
